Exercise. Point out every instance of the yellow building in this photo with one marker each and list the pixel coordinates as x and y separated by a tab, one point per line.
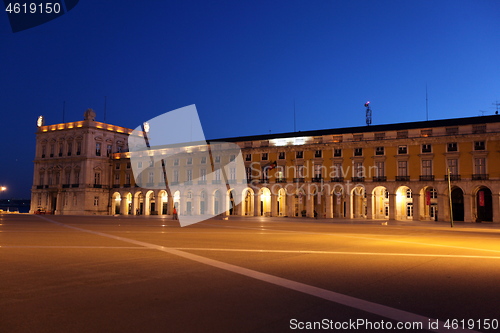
387	172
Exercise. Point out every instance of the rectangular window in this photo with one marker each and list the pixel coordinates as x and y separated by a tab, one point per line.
248	157
264	156
117	179
78	147
248	172
77	177
139	165
129	165
452	146
337	152
477	129
189	161
299	154
217	175
426	167
479	145
337	170
189	175
203	174
151	177
357	137
358	151
204	160
127	178
480	166
70	148
379	169
232	173
299	171
98	149
97	178
451	130
151	164
281	155
453	166
176	161
117	166
380	136
176	176
426	148
96	201
402	134
358	169
318	153
109	149
217	159
232	158
402	150
426	133
402	168
318	171
379	151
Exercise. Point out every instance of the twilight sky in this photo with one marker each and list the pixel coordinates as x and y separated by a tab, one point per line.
244	63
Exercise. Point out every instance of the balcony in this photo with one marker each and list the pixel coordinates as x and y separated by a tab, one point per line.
65	185
114	185
126	185
231	181
380	178
402	178
97	185
216	181
427	178
480	176
263	181
39	187
337	179
317	179
358	179
298	180
452	177
75	185
202	182
280	180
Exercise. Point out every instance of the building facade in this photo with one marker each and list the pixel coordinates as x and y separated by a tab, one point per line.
387	172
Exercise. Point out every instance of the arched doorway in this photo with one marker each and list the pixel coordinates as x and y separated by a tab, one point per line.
163	202
150	203
230	202
247	195
203	202
457	203
217	202
189	202
484	204
358	202
129	203
116	203
140	204
429	203
265	201
404	203
281	202
299	204
380	200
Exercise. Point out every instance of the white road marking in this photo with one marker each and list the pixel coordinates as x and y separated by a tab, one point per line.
356	303
70	247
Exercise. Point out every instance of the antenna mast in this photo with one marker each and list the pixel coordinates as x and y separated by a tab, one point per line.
368	114
497	105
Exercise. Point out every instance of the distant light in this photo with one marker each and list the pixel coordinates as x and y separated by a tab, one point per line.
3	188
146	127
367	104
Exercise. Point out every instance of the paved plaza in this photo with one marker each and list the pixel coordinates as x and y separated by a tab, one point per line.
147	274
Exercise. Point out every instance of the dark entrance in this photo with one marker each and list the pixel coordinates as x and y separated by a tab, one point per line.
457	200
484	204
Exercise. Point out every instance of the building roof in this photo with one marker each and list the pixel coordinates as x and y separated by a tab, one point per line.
373	128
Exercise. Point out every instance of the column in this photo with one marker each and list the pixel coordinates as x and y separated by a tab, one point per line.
416	207
123	205
468	216
347	211
369	206
496	207
392	206
256	204
274	204
329	208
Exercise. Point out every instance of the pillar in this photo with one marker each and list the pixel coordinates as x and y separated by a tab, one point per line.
392	206
416	206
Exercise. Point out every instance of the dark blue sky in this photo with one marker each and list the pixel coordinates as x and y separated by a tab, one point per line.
243	64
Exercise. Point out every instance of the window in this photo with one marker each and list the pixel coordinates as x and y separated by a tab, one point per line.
232	173
189	161
453	166
477	129
426	148
70	147
337	170
232	158
337	138
357	137
408	194
380	136
77	177
217	175
358	151
299	154
318	153
299	171
402	168
379	169
452	146
248	157
426	167
402	134
203	174
98	149
52	147
139	165
426	132
317	171
358	169
117	166
117	179
176	161
479	145
204	160
96	201
176	176
189	175
109	149
97	178
379	151
281	155
264	156
480	166
129	165
151	164
433	193
337	152
217	159
409	209
127	178
151	177
402	150
44	149
248	172
78	147
451	130
119	149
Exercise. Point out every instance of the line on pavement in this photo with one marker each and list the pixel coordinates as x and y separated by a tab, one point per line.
70	247
356	303
338	252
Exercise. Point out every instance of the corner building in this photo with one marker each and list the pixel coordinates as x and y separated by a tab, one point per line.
387	172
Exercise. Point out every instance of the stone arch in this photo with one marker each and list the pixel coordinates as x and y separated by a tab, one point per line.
483	204
265	202
404	203
248	202
380	202
428	203
116	204
358	202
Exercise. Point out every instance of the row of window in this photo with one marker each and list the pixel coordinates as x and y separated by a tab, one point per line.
402	150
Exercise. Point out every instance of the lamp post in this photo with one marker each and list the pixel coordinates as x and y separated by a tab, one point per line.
2	189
